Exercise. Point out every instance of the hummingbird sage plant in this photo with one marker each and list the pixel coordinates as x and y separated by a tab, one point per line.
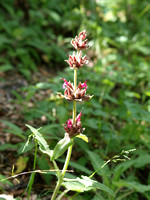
75	92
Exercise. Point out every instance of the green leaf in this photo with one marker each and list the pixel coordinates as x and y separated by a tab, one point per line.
86	184
43	146
132	94
54	16
120	168
139	162
98	197
4	40
7	146
25	147
97	163
134	185
43	164
74	186
83	137
147	93
138	112
6	67
14	129
3	179
142	160
62	146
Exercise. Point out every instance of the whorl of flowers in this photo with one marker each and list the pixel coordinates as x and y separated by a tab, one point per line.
76	60
74	129
78	94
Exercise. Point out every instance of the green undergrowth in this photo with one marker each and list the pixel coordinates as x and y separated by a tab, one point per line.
116	118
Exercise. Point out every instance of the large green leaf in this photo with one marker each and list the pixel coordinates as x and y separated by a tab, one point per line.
86	184
62	146
98	163
138	162
120	168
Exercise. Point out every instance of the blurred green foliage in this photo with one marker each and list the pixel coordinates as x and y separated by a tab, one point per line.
37	34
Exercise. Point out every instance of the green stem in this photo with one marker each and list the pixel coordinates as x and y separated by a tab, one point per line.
57	169
32	175
62	194
60	180
74	102
61	176
75	79
56	189
67	161
74	112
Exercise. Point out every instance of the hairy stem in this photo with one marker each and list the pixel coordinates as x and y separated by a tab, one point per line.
61	176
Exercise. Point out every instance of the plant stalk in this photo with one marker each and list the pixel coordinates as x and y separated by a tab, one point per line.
56	189
60	178
29	187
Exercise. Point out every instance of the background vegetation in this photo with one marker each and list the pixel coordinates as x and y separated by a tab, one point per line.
34	42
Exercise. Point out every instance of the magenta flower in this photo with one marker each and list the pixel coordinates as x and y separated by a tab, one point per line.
76	61
69	123
79	43
70	94
74	129
66	83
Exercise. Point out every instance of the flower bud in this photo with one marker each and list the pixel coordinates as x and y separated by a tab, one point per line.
74	129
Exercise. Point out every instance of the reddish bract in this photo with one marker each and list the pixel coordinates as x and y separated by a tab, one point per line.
74	129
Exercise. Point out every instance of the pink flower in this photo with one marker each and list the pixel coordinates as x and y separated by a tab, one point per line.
76	60
69	123
66	84
74	95
78	42
74	129
84	85
78	119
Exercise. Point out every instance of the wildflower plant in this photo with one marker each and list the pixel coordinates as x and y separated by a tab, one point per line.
73	127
